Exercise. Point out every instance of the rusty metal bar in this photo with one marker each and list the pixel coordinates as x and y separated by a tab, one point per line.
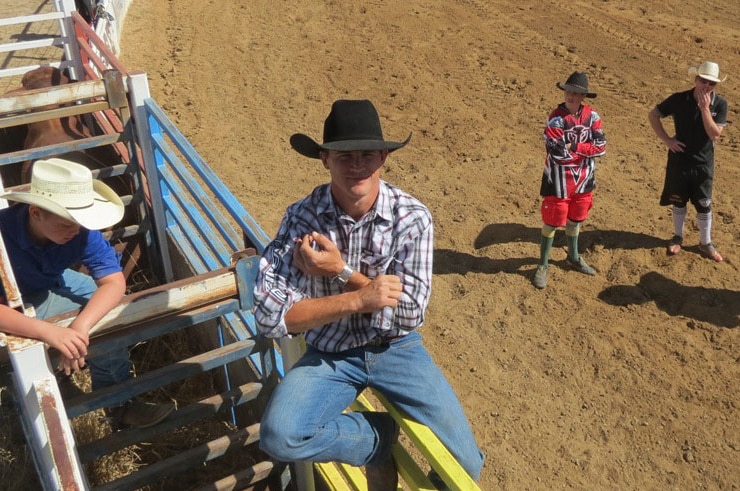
51	96
65	463
60	112
45	421
58	148
12	294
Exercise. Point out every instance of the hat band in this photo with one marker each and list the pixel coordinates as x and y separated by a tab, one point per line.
355	136
80	207
70	195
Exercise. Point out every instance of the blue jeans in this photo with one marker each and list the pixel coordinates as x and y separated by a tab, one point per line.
106	369
304	421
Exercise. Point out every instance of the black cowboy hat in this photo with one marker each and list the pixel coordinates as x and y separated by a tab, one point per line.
577	83
351	125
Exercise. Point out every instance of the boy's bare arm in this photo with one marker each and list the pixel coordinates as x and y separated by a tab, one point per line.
71	344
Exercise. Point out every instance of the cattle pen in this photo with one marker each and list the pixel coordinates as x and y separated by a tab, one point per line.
190	252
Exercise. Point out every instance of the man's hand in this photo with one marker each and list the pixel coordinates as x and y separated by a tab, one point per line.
674	145
383	291
703	98
317	255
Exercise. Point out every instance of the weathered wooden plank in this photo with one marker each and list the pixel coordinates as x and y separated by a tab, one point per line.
182	417
246	477
191	458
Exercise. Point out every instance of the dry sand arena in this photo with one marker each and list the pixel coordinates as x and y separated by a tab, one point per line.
625	380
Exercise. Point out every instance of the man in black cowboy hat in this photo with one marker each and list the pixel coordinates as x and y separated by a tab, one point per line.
351	270
573	139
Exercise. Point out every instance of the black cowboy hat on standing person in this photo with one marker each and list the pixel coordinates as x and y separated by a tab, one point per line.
578	84
351	125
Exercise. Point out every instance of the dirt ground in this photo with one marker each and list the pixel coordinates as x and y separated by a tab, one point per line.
625	380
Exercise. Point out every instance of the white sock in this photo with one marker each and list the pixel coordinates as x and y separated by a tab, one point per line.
705	227
679	218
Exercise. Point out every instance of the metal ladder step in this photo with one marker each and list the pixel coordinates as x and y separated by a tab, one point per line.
184	461
117	394
182	417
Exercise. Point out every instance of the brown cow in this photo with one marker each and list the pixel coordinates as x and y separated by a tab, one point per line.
53	131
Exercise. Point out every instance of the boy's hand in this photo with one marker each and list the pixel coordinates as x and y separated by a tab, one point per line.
71	344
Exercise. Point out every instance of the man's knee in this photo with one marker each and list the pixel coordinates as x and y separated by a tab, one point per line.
280	438
703	205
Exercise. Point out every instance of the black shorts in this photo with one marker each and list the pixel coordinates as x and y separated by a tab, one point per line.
688	182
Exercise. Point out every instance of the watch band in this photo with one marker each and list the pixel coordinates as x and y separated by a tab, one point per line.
343	278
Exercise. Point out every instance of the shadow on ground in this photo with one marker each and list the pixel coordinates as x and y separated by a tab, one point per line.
502	233
720	307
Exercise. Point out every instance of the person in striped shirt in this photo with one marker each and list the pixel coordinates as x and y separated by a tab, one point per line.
350	269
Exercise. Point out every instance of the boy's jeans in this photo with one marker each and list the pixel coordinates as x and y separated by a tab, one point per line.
75	290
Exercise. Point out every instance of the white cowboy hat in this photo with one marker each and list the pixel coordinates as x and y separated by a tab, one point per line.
68	190
707	70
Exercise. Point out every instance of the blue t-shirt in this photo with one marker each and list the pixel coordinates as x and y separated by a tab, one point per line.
39	267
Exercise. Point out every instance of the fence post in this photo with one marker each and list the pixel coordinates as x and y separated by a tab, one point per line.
292	349
139	91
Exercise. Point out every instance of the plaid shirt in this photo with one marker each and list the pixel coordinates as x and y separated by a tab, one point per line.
395	237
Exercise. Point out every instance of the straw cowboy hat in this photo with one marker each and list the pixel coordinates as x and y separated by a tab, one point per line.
708	71
68	190
351	125
578	84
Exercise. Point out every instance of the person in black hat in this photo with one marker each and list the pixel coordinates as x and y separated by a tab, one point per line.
699	115
350	269
573	139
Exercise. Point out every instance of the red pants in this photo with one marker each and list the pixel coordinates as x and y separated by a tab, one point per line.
556	211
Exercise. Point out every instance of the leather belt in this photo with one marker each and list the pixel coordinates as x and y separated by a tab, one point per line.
380	342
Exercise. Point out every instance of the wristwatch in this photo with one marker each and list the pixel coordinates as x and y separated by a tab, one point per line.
343	278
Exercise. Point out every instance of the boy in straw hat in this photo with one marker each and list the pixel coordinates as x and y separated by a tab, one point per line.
54	226
574	138
351	270
699	115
